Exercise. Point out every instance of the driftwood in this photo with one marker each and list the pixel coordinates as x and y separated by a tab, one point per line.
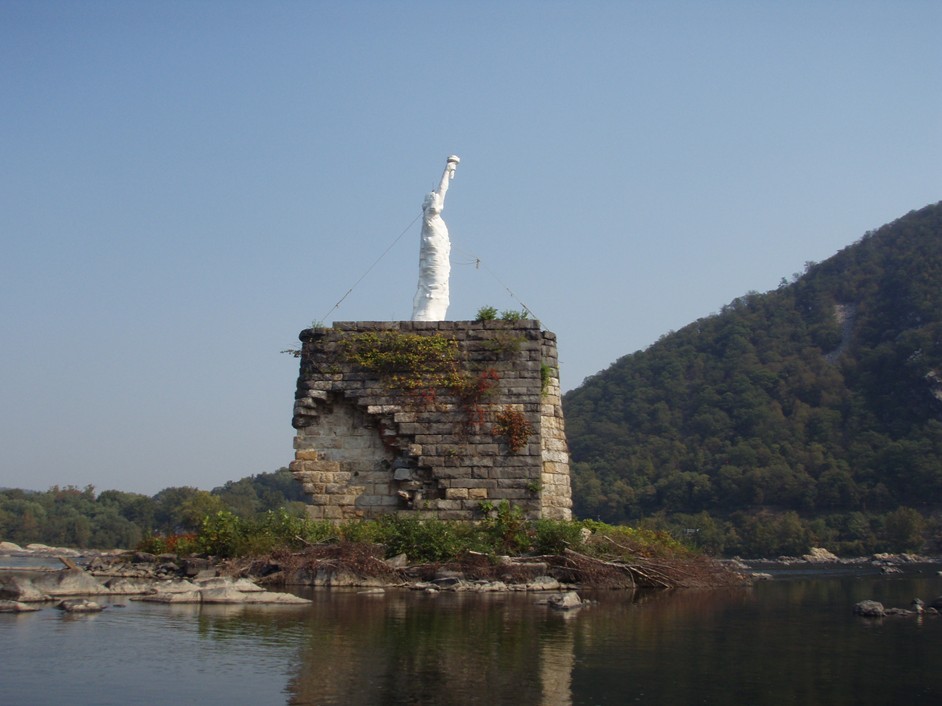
600	571
69	564
636	572
645	572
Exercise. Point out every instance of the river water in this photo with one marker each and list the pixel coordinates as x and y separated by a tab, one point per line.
792	640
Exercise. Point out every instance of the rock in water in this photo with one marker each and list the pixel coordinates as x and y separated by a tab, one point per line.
567	601
869	609
70	582
79	606
21	589
820	555
17	607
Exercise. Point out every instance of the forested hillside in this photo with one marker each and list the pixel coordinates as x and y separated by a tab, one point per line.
808	414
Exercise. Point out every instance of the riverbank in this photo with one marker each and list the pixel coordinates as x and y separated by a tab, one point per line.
352	564
42	573
174	578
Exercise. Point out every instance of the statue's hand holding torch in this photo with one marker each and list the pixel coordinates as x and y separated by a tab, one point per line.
452	165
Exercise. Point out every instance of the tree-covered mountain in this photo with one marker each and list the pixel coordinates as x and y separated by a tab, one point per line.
811	413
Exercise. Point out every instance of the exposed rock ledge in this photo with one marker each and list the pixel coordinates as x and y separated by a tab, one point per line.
171	579
19	590
36	550
875	609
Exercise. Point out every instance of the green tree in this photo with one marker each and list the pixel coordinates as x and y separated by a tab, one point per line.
904	529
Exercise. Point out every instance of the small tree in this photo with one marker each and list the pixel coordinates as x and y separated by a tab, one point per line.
904	530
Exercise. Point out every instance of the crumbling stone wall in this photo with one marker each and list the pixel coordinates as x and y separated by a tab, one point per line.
434	428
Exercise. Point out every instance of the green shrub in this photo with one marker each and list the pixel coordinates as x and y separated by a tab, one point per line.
365	531
222	534
425	540
225	534
486	313
546	374
279	529
555	536
409	360
505	528
511	315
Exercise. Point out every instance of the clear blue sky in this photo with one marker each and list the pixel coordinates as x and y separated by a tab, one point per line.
186	185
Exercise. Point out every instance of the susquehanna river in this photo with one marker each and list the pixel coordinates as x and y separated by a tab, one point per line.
787	641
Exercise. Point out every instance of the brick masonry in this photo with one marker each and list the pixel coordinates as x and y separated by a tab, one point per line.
371	442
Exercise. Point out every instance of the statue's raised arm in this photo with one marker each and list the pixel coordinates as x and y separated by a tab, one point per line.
431	298
447	176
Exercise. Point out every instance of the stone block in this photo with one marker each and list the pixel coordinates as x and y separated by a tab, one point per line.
383	409
472	483
508	494
477	471
322	466
374	500
558	446
454	515
418	514
487	449
448	473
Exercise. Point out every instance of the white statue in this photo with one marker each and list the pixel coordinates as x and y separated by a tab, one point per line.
431	298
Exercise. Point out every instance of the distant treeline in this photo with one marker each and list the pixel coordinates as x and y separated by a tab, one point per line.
811	414
78	517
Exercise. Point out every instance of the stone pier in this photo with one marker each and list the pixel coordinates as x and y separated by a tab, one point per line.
436	419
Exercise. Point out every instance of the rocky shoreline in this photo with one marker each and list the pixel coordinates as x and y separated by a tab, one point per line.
823	560
820	558
120	574
169	578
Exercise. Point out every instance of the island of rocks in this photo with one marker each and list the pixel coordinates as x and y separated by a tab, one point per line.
169	578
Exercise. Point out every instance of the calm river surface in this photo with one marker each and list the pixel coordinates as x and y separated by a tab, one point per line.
792	640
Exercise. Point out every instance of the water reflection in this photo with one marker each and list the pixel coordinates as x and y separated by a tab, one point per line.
784	642
444	648
466	648
792	642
